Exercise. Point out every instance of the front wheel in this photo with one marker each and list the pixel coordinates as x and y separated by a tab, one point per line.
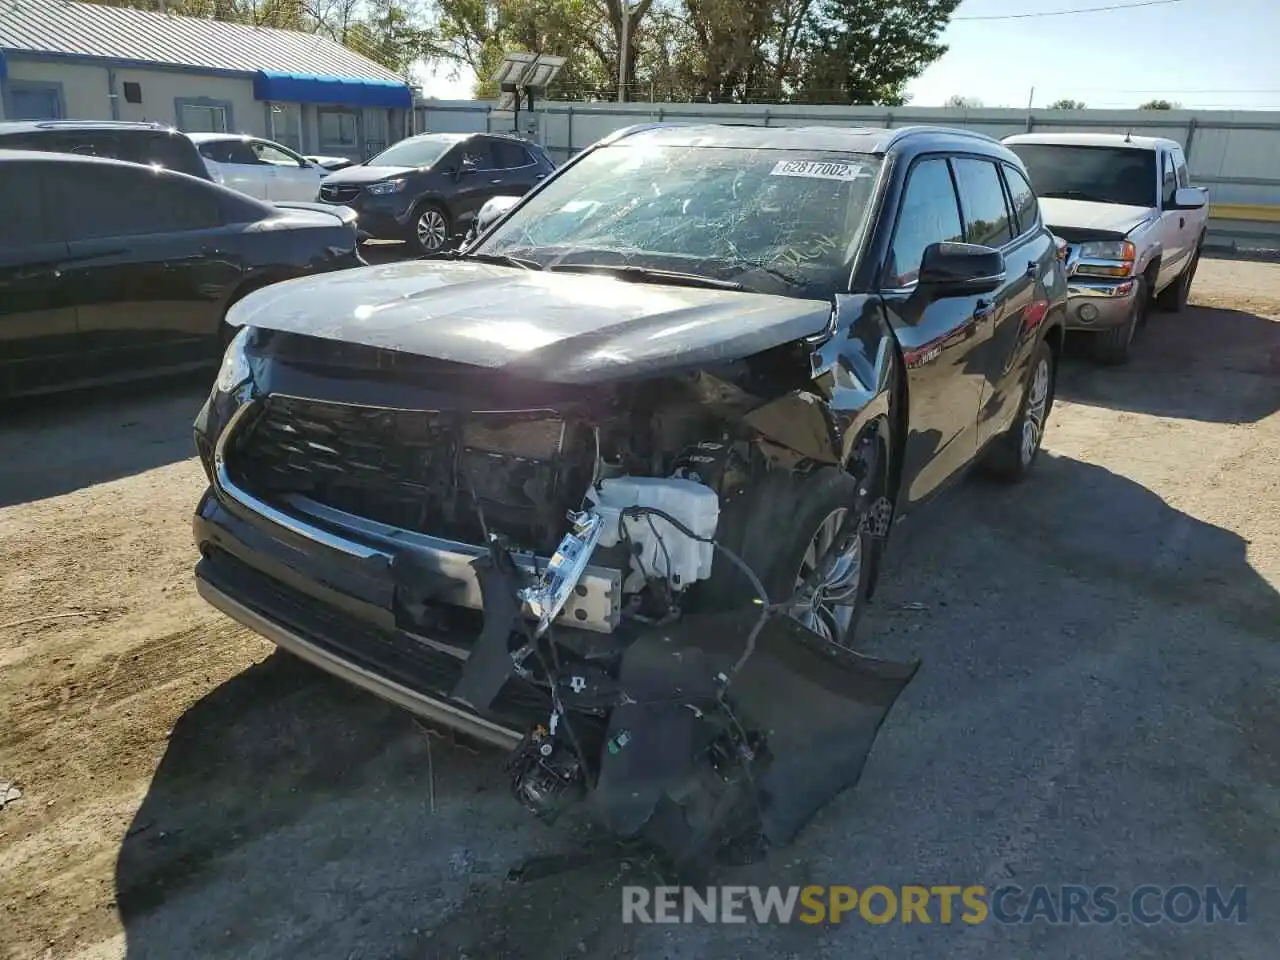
431	228
1175	296
1013	455
1115	346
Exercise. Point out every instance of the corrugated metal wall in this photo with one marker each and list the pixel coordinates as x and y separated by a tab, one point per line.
1235	154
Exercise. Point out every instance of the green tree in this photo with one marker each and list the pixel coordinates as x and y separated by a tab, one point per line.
1066	103
1159	105
961	102
867	51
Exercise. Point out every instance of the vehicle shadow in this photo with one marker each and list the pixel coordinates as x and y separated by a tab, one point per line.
1205	363
55	445
292	815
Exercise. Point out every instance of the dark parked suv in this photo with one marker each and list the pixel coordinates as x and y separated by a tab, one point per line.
427	189
611	486
147	143
110	270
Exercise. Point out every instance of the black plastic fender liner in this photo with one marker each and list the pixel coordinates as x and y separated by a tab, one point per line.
819	709
490	665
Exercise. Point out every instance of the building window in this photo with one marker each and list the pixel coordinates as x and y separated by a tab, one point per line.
338	129
34	100
284	124
201	115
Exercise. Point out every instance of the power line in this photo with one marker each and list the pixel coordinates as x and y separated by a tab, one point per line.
1069	13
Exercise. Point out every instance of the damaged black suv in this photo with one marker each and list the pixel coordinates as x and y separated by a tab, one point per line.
611	486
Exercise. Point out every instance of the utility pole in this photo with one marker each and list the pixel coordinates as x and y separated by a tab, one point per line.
623	52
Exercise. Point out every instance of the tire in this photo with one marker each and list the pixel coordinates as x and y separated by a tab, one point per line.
1011	457
431	229
1114	347
1174	298
772	529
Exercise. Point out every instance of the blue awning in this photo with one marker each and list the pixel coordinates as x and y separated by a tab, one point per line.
340	91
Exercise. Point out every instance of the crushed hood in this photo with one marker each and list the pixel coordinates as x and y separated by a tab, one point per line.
1080	216
555	327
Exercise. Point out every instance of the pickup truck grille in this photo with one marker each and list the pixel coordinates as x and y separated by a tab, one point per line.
417	469
338	193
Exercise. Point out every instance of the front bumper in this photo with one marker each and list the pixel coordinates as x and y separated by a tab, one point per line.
387	217
341	591
1099	304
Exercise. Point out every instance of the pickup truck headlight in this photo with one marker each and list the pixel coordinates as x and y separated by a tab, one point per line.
1106	258
235	364
385	187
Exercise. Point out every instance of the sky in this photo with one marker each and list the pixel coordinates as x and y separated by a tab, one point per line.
1203	54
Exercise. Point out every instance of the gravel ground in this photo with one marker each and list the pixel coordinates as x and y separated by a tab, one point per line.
1098	704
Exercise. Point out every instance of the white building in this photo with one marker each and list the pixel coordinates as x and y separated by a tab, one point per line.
82	61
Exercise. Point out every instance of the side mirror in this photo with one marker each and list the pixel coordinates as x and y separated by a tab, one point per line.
957	269
1188	198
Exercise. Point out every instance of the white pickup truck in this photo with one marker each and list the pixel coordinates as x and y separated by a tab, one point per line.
1133	224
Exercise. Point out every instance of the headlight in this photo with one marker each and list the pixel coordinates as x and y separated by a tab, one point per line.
1119	256
235	364
385	187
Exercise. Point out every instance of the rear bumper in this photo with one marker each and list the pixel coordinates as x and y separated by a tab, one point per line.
1099	304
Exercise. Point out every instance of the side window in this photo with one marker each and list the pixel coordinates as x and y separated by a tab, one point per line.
1180	169
89	145
24	222
1170	179
928	214
215	150
121	202
1025	208
270	153
508	154
480	154
986	215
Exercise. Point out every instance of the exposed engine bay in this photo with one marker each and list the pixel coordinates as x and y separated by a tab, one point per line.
682	711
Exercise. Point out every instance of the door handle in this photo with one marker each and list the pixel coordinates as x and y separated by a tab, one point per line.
1182	222
496	181
540	176
1032	268
982	309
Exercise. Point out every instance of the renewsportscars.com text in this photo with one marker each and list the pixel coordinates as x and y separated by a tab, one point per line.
943	904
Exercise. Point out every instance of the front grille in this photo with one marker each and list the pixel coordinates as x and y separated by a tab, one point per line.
420	470
338	193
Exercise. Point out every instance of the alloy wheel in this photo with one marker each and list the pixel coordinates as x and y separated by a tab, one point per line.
1034	415
432	230
828	607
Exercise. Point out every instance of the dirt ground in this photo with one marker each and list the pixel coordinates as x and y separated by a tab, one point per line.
1098	704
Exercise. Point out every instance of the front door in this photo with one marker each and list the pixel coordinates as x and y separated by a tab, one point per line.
148	266
289	176
1175	236
941	337
479	179
37	321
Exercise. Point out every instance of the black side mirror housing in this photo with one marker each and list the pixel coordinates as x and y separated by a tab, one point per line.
960	269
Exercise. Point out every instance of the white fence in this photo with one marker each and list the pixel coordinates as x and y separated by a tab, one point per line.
1235	154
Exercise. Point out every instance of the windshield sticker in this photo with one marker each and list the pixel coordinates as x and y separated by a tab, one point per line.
817	170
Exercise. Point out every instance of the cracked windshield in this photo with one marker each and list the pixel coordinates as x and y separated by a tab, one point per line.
771	221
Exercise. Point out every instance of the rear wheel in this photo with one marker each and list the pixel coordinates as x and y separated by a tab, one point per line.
1012	456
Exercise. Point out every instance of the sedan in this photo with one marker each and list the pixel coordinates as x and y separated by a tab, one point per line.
260	168
111	270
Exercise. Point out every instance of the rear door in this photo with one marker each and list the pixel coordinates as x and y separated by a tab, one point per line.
150	263
941	337
37	321
1029	263
517	168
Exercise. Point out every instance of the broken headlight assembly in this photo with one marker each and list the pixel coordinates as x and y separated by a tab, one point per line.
234	370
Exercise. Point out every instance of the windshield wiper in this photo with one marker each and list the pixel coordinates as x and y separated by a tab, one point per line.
501	259
648	275
1075	195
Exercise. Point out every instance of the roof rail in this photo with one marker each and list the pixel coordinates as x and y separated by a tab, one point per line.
901	133
122	124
